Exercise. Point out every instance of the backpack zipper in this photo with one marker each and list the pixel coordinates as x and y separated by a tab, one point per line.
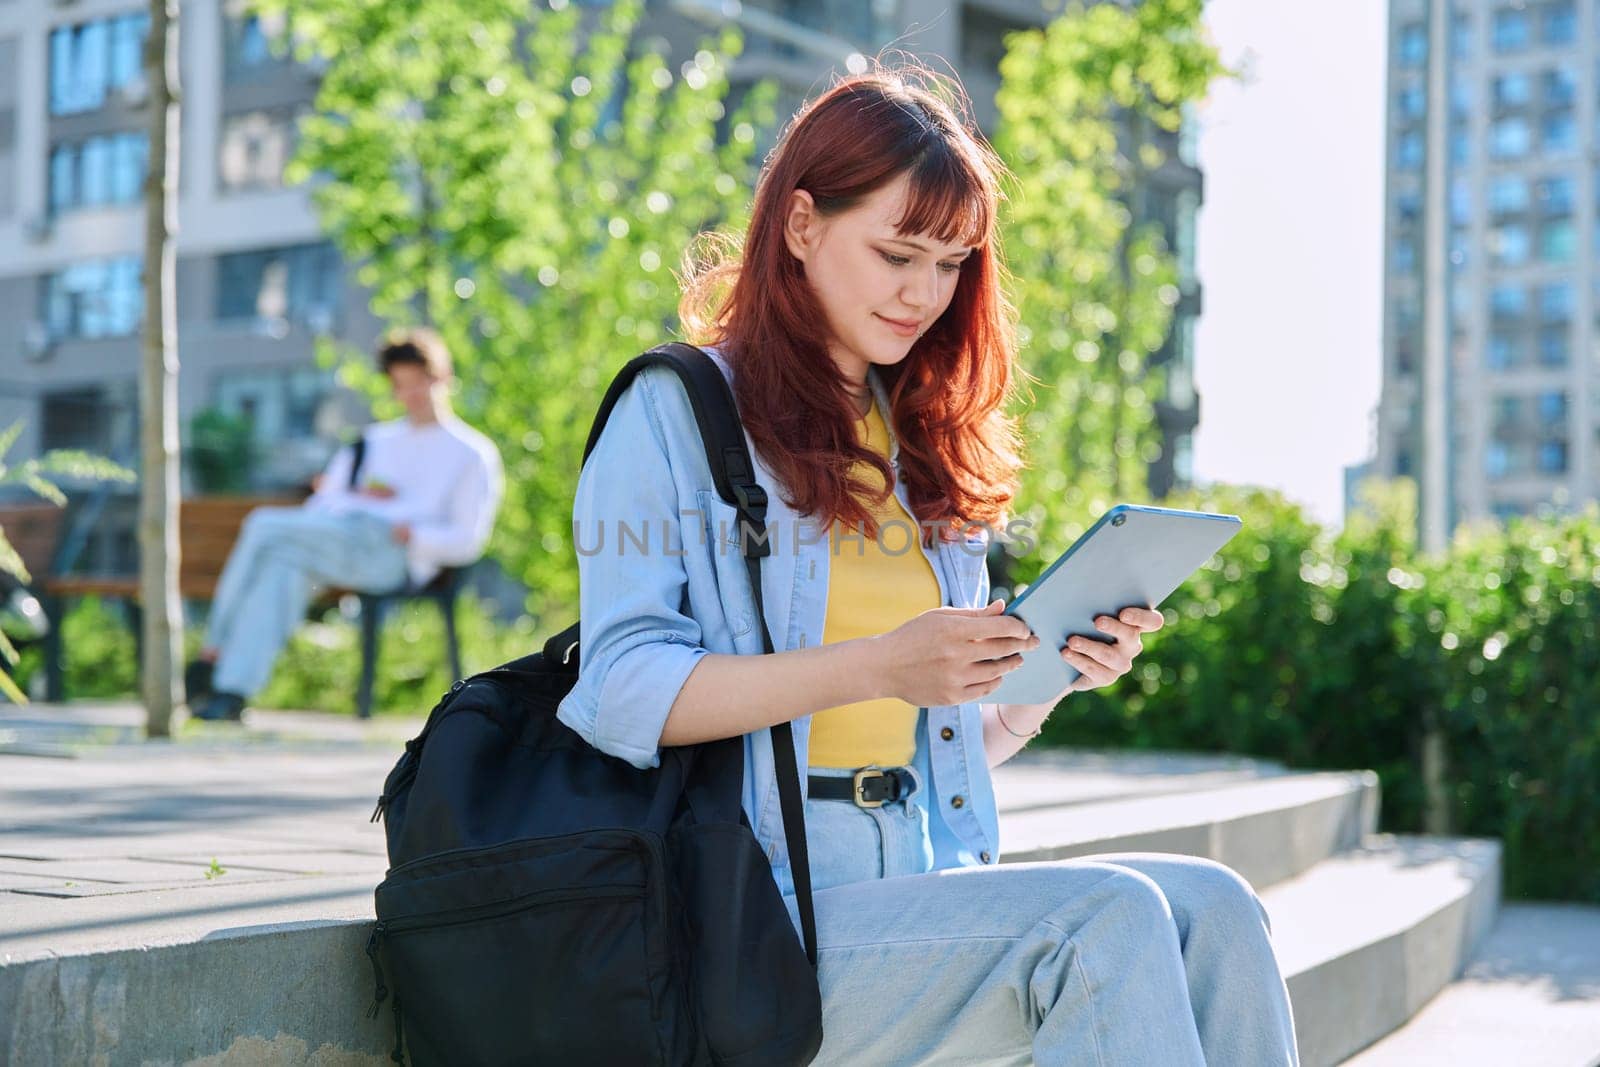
642	837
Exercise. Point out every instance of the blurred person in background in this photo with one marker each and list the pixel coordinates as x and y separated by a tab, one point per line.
413	496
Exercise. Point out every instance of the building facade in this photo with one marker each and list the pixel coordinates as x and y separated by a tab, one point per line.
1489	378
257	282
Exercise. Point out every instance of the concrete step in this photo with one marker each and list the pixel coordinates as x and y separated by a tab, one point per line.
1366	938
1269	829
1531	995
118	944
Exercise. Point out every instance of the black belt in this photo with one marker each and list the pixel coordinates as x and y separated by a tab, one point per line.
871	787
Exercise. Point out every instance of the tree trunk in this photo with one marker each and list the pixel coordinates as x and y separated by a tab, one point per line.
159	553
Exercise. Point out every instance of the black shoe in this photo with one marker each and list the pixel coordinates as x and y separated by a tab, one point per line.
197	680
220	707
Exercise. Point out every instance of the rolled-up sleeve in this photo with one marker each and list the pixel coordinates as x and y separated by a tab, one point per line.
638	646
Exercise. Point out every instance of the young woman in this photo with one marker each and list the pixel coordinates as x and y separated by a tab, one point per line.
870	351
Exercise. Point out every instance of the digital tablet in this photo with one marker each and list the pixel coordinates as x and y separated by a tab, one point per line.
1133	557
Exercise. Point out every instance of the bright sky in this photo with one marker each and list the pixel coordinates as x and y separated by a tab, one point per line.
1288	346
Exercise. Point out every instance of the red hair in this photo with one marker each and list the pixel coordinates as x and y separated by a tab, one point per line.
959	452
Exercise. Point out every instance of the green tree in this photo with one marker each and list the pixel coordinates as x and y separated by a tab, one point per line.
523	179
1095	293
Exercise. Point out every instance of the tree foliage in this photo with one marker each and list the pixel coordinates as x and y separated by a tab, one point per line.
1095	292
523	178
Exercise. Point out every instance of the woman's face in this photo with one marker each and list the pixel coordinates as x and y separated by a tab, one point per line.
879	290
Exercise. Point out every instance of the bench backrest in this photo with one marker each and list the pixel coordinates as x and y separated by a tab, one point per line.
207	529
34	530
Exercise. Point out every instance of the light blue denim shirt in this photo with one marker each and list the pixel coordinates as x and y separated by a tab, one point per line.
662	583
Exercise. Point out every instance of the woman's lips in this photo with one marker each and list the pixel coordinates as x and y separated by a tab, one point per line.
901	328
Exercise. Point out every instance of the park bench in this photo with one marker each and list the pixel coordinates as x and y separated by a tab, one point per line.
208	526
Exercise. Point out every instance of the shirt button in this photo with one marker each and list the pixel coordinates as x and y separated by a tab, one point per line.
957	801
984	856
947	733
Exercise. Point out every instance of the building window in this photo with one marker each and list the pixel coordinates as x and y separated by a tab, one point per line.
1460	145
1503	352
1408	207
1508	302
1560	87
1188	213
99	298
280	404
1413	44
1412	103
1460	35
250	42
97	171
1408	151
1552	457
1510	30
1183	459
1555	196
299	283
92	59
1497	460
1511	90
1405	255
254	148
1559	24
1554	350
1509	138
1508	194
1559	131
1552	407
1556	302
1558	241
1508	245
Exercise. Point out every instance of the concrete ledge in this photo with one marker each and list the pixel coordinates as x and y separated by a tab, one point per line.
276	994
1368	937
1267	829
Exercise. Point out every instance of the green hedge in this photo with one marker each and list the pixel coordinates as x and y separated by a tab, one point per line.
1329	650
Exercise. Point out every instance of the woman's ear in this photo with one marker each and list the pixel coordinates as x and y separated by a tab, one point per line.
800	224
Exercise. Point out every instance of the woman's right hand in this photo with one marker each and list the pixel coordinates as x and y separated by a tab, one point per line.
954	655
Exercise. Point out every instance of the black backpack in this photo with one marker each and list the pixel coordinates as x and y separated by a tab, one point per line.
549	903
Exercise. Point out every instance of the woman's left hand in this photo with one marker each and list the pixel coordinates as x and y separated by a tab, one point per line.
1099	664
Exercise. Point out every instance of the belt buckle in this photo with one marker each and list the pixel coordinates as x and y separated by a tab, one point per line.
861	777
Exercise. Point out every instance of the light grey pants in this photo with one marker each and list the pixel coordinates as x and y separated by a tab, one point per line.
280	558
1114	961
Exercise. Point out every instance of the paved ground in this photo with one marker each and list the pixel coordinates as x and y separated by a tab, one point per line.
1532	996
107	841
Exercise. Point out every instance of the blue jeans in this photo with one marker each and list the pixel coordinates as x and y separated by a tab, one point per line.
281	556
1114	961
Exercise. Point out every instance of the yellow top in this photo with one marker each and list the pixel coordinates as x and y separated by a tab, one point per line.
874	585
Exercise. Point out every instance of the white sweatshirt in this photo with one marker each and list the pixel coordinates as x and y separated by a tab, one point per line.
447	483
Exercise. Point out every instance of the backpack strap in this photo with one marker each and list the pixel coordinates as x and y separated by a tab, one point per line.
358	453
734	474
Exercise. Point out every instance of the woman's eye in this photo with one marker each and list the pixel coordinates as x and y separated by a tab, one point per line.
950	268
894	260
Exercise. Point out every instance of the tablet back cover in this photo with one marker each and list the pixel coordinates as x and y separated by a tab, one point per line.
1132	557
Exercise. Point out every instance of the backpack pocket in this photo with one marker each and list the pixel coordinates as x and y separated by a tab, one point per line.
549	950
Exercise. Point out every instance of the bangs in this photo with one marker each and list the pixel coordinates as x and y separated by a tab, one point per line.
950	198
